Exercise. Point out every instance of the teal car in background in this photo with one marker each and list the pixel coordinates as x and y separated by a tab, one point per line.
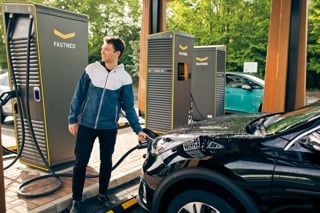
243	93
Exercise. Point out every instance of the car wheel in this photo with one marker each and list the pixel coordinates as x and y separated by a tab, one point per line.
199	201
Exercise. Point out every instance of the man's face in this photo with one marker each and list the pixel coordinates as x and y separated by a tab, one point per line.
108	54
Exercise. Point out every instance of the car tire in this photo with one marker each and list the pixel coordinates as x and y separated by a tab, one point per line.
197	200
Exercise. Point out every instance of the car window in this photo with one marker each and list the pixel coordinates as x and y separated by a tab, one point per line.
253	85
307	142
314	140
287	120
280	122
258	81
236	81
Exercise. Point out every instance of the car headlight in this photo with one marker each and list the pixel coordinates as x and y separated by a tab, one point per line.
186	145
174	148
168	142
163	153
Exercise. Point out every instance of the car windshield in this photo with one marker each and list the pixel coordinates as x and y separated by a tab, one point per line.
281	122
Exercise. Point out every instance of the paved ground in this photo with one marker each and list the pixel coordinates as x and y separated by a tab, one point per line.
312	96
58	201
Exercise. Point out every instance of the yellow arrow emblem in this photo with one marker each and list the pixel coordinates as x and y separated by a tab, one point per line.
62	35
202	59
183	47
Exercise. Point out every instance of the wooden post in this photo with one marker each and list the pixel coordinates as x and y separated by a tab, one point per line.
145	31
2	191
278	84
277	57
302	56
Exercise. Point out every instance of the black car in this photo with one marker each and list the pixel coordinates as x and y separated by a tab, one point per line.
262	162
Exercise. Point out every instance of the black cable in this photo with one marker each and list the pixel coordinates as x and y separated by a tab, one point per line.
8	151
20	105
140	146
196	107
9	36
34	139
150	136
57	175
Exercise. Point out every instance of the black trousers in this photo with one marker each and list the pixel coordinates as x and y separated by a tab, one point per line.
84	144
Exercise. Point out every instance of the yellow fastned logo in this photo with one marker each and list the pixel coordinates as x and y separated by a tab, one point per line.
202	59
62	35
183	47
62	44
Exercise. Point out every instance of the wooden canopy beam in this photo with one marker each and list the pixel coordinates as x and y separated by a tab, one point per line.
2	192
285	76
153	21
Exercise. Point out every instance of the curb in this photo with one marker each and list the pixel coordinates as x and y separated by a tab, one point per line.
63	203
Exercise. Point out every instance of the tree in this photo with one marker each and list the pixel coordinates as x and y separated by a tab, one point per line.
241	25
106	17
313	58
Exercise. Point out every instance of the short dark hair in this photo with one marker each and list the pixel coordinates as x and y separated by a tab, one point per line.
117	43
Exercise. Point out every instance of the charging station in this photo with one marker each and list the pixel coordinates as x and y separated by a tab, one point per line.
47	50
168	86
208	81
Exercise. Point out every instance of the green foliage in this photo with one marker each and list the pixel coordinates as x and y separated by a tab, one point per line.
314	36
313	48
106	17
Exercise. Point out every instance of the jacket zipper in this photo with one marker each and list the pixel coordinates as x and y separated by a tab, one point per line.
101	101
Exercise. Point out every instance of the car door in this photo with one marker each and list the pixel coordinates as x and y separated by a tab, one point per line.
242	94
296	179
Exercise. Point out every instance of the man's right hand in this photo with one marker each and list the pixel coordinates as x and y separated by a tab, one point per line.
73	129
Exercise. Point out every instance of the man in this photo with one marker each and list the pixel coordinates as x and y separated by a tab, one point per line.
103	90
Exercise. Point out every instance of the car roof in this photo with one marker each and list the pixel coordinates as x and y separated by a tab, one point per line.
251	77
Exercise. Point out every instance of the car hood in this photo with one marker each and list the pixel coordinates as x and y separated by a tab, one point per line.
228	124
213	135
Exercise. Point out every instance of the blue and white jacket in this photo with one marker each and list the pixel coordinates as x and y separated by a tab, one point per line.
99	97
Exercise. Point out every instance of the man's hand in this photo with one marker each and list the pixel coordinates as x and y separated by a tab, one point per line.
73	129
142	137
